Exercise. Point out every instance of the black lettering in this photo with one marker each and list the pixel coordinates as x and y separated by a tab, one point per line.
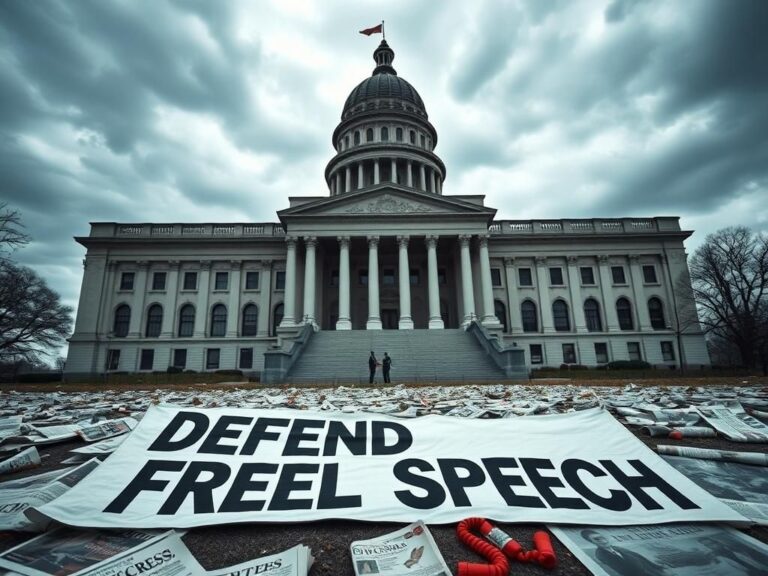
243	482
435	492
544	484
259	433
143	482
503	483
298	435
328	485
221	430
456	484
378	441
647	479
202	491
164	442
354	443
287	483
618	501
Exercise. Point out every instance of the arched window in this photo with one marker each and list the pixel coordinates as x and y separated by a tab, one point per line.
250	320
186	321
357	137
624	312
369	135
277	317
219	320
529	316
154	321
412	136
656	312
592	315
560	316
501	312
346	142
384	134
399	134
122	321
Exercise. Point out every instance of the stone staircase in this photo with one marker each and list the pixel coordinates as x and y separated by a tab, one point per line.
418	356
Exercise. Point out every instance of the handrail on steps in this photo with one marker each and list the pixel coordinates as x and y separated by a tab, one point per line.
510	360
278	363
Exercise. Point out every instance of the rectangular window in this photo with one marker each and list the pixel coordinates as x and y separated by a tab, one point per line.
158	281
442	279
649	274
601	352
180	358
587	275
147	359
362	278
113	359
633	348
667	351
334	277
556	276
190	280
126	281
388	277
537	356
251	280
280	280
618	275
526	278
246	357
212	359
414	277
496	277
222	280
569	353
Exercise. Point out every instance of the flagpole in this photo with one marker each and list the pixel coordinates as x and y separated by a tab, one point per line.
383	34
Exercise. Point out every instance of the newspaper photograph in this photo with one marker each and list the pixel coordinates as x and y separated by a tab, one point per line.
168	556
410	550
669	550
294	562
107	429
15	502
67	551
752	458
734	423
28	458
743	487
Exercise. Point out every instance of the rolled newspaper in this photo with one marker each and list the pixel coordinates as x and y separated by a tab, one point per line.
754	458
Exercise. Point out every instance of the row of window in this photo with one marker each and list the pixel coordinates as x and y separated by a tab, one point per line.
601	352
179	359
189	282
556	277
592	316
357	137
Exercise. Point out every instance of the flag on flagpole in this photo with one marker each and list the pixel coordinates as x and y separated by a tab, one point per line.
375	30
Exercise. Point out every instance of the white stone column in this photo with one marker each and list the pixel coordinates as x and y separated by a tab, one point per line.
435	319
394	170
348	177
439	185
574	285
338	182
233	306
515	320
344	321
201	309
376	176
545	302
423	177
289	304
641	303
467	289
137	311
432	185
489	314
169	312
406	321
374	318
410	174
606	289
265	297
310	243
359	175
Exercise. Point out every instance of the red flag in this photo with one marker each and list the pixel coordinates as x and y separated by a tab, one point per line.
374	30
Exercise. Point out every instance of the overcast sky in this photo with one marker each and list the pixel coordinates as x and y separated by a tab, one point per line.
168	111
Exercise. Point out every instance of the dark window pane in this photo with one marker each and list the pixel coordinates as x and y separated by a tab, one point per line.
190	280
158	281
334	277
556	276
212	359
667	351
126	281
412	137
587	275
441	277
180	358
495	277
222	279
362	278
560	316
592	315
388	277
656	313
415	277
633	348
113	359
122	321
219	320
280	280
526	278
384	134
530	319
399	134
357	138
251	280
147	359
423	141
246	357
601	352
624	313
369	135
250	320
154	321
536	354
277	317
569	353
186	320
649	274
618	275
501	313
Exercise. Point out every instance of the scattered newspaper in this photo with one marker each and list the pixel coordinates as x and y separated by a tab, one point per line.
693	432
15	502
743	487
107	429
410	550
734	423
56	432
34	480
468	411
10	426
752	458
28	458
104	447
668	550
294	562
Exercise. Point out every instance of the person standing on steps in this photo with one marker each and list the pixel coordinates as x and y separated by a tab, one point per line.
386	364
372	363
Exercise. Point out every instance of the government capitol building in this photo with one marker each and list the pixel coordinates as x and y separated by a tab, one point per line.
384	261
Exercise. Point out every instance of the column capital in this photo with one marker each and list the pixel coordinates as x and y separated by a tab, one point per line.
291	241
266	264
572	259
174	264
142	264
634	258
373	241
482	240
343	241
112	264
310	240
540	259
205	264
464	239
603	258
402	241
509	262
235	264
431	241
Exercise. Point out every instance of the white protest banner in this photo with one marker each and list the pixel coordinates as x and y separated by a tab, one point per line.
187	467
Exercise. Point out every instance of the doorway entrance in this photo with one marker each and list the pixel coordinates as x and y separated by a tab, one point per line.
389	319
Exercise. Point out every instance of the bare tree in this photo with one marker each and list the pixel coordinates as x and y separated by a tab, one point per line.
32	318
12	235
729	274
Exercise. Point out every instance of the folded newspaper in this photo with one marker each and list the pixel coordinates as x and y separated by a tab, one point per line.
734	423
410	550
28	458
